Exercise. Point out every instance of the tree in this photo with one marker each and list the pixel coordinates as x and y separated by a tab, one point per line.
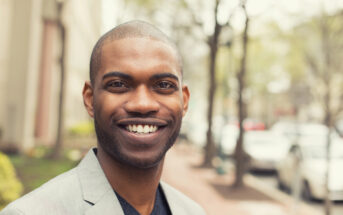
212	42
322	55
326	69
56	152
241	157
210	147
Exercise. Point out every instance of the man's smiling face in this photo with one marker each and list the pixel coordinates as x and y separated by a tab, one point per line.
138	100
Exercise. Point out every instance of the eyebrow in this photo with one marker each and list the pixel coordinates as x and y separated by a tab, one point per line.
117	74
129	77
164	75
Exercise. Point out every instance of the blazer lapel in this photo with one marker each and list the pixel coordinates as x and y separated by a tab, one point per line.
95	187
107	205
174	202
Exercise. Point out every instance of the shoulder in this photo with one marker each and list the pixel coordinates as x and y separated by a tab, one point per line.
180	202
54	197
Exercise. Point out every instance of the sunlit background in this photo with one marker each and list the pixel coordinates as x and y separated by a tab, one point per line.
278	76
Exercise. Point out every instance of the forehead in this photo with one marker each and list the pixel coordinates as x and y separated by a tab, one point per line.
139	53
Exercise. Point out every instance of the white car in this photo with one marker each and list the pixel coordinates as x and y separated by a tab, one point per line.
265	149
306	162
286	128
228	140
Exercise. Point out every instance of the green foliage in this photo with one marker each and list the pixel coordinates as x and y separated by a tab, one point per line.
294	60
148	5
316	49
82	129
36	171
224	71
263	56
10	186
38	151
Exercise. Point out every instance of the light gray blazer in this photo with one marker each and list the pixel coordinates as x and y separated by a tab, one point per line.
85	190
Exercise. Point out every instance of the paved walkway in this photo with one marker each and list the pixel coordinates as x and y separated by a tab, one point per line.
214	193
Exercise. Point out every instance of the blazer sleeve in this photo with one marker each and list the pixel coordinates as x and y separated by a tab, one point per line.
11	211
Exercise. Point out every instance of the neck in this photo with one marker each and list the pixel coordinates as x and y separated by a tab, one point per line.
137	186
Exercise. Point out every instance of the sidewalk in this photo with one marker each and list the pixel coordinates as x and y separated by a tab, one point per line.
214	193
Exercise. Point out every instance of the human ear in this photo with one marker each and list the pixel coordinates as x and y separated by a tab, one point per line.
87	94
186	95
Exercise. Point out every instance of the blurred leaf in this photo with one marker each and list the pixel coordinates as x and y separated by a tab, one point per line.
10	186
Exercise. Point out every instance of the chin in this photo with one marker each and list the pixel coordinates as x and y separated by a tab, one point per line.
143	164
139	160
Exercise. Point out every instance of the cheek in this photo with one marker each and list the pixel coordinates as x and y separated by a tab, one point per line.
107	105
173	105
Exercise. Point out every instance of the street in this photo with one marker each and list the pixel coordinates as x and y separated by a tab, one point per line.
215	192
269	178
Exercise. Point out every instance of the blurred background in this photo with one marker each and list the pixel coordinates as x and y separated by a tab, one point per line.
266	83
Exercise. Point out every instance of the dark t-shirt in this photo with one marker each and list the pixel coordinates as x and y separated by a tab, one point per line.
161	206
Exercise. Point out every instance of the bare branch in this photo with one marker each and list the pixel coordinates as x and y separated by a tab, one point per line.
313	64
193	15
227	23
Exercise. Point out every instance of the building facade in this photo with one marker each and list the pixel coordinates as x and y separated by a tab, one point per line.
30	66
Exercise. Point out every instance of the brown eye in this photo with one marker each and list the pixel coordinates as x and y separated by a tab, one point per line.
117	86
165	87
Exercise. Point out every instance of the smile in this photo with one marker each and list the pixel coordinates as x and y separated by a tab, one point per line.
141	129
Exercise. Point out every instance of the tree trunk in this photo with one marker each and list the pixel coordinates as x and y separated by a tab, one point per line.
241	157
56	151
327	175
327	107
327	121
210	147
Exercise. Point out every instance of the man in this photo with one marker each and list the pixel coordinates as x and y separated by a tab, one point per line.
137	99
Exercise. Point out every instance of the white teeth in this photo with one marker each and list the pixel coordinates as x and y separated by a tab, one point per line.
146	129
139	128
142	129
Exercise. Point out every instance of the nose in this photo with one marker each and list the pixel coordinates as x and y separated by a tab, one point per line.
142	102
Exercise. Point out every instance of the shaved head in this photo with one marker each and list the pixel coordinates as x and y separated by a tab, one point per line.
130	29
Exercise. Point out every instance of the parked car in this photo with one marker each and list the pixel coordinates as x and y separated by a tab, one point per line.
286	128
339	127
308	160
253	125
265	149
229	134
228	139
313	130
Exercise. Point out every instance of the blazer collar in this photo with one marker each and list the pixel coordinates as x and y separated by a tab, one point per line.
95	187
98	192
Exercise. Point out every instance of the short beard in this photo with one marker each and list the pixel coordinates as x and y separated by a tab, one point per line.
111	146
